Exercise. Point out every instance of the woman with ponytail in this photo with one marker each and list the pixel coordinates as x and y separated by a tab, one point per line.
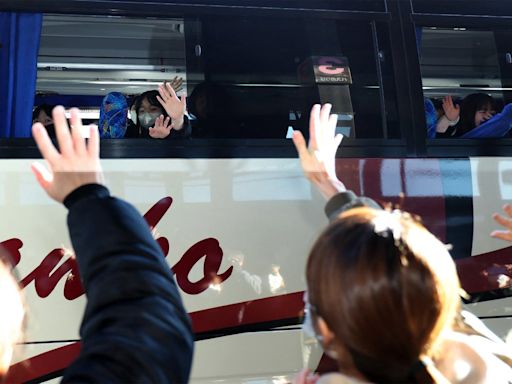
383	295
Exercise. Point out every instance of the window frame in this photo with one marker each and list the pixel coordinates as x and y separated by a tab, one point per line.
445	148
400	20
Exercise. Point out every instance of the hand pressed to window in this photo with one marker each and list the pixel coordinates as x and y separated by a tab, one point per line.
162	128
451	111
173	105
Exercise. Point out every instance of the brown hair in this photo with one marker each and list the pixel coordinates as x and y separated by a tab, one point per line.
386	288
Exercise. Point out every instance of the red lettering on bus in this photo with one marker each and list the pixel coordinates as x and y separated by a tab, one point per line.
46	279
211	250
11	249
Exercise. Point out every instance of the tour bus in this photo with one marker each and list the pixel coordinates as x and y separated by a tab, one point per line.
230	207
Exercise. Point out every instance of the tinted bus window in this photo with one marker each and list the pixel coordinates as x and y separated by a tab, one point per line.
82	58
463	7
245	77
474	68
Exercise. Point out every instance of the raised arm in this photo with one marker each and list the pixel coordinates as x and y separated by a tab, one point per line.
506	222
135	328
318	161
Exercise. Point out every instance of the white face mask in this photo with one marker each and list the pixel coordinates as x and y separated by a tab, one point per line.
133	116
148	119
309	328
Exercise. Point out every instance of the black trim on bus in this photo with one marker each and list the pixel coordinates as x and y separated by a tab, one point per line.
49	376
457	148
162	9
209	149
407	74
465	7
450	21
249	328
495	294
271	148
495	317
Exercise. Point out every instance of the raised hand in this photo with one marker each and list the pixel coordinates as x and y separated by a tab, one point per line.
177	83
162	128
451	111
76	163
504	234
173	105
319	159
306	377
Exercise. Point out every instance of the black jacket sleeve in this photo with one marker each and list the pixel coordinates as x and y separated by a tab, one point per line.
183	133
346	200
135	328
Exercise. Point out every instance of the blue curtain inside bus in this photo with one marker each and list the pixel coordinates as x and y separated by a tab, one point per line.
19	45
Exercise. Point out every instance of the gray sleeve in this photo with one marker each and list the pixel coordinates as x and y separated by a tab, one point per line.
344	201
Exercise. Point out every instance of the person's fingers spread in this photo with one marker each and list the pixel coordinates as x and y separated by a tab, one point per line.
76	131
333	122
45	145
43	176
62	131
93	146
325	112
171	91
337	141
508	209
160	100
503	235
300	144
502	220
166	121
314	121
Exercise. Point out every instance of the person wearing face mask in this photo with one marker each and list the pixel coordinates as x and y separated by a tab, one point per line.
159	115
383	295
476	118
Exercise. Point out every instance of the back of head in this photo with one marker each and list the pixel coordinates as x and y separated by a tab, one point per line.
12	316
387	289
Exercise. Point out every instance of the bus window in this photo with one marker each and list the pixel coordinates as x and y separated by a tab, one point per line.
245	77
268	72
473	67
83	58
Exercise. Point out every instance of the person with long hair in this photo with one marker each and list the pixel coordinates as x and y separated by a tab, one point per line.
383	295
474	110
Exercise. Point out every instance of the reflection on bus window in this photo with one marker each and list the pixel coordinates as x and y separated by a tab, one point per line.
101	64
247	77
467	79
